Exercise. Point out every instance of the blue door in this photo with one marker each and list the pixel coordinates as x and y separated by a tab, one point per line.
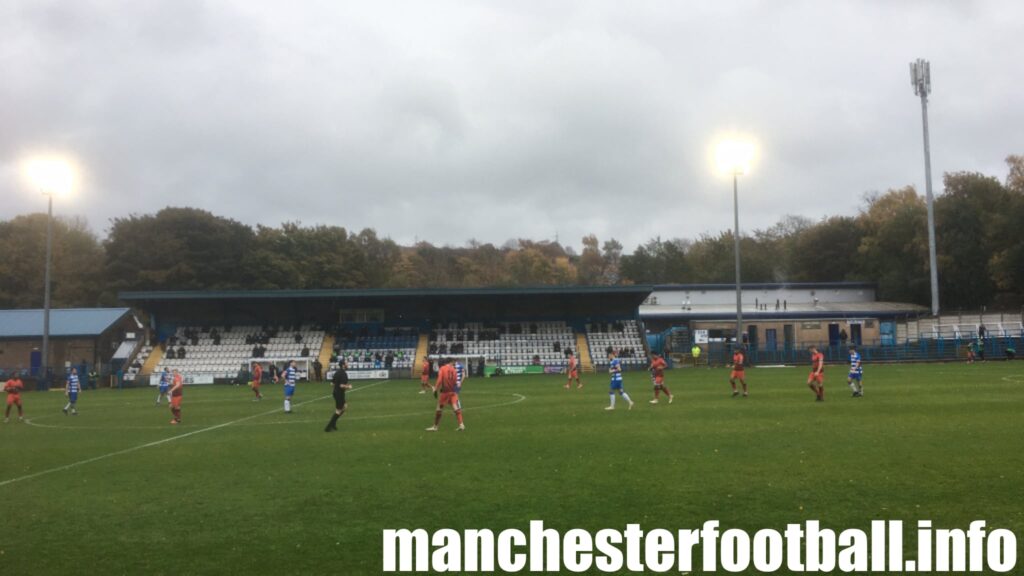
769	339
887	331
833	335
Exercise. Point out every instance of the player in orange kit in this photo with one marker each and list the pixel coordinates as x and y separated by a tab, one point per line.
739	361
574	372
815	381
13	387
257	377
658	366
447	380
425	376
176	391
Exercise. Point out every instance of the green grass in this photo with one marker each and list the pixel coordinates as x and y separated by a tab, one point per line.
274	494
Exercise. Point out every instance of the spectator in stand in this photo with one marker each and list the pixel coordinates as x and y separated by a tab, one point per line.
318	368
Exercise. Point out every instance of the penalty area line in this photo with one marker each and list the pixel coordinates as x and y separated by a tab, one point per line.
164	440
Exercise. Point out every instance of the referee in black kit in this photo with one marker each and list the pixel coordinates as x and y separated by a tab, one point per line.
340	381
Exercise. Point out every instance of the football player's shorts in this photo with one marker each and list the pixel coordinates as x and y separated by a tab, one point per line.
339	401
289	391
447	398
175	401
819	377
855	376
616	385
73	397
14	399
737	374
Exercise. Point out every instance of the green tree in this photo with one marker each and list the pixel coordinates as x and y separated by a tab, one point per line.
827	251
894	247
658	262
76	271
591	264
176	249
969	219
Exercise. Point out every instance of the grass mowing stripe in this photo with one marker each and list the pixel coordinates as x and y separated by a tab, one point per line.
162	441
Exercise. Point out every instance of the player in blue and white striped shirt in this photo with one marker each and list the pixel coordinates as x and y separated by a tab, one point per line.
290	375
165	385
615	369
460	375
71	390
856	376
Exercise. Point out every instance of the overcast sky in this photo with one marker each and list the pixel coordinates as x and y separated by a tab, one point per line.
451	120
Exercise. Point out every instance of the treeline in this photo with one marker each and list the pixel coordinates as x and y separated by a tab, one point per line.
979	223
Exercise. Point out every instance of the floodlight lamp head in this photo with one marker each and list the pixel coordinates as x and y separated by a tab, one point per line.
53	176
734	156
921	77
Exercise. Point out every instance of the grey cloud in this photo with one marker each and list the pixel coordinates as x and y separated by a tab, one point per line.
452	120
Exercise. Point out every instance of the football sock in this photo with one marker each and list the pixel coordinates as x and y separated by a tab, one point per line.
612	396
666	390
66	406
733	384
744	386
334	421
626	397
287	405
458	415
437	417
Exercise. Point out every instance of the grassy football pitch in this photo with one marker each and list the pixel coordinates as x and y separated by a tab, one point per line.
240	488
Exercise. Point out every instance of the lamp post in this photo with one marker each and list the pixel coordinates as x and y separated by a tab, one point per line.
734	158
921	79
736	240
46	288
52	177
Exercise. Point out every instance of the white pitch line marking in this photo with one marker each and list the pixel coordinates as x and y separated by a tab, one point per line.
163	441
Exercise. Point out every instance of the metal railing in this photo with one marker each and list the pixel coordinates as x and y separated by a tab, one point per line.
923	350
